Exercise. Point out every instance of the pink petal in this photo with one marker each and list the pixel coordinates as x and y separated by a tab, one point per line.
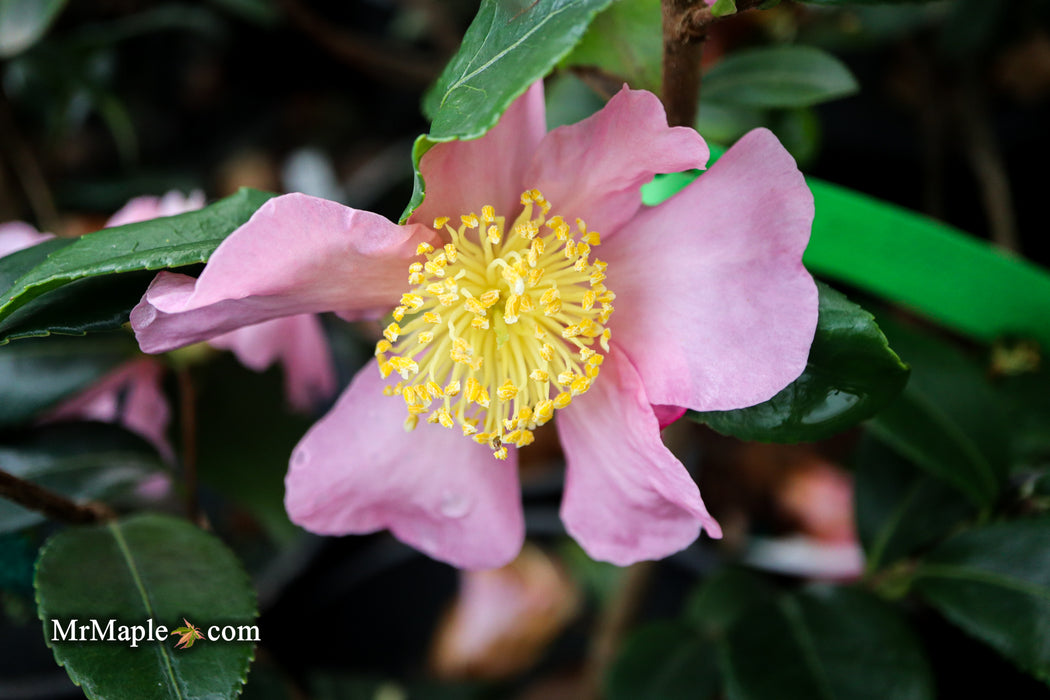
713	304
299	344
627	498
358	471
297	254
149	207
143	410
16	235
463	176
594	169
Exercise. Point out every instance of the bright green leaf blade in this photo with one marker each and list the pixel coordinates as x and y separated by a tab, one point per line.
664	661
36	374
994	582
625	40
83	461
509	45
24	22
851	374
148	567
948	420
949	276
901	508
826	644
173	241
780	76
935	269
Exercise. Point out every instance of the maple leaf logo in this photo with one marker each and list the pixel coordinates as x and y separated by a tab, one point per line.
188	635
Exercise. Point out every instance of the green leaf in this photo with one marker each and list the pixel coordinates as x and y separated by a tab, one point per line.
779	76
723	8
36	374
83	461
948	420
723	598
625	40
824	644
24	22
851	374
994	582
173	241
901	508
148	567
509	45
664	661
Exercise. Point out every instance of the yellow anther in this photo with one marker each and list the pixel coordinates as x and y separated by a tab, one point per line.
597	277
525	304
425	337
436	288
434	389
592	238
432	317
448	299
501	453
586	354
412	301
547	352
470	427
481	438
580	385
410	422
450	252
469	220
510	310
433	418
445	418
439	223
583	249
494	235
539	375
488	213
588	300
424	248
481	322
566	377
483	398
570	249
553	308
489	298
474	306
383	346
399	313
544	411
452	389
507	391
562	400
534	276
391	332
404	366
550	295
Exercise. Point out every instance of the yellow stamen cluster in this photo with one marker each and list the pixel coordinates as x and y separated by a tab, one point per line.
501	326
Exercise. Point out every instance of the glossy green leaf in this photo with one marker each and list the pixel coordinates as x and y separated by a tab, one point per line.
148	567
509	45
664	661
24	22
779	76
994	582
824	644
626	40
900	507
173	241
851	374
83	461
948	420
36	374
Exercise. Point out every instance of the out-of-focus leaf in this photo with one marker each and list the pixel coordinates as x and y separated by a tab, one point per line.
799	131
172	241
24	22
721	599
901	508
625	40
147	567
509	45
994	582
664	661
83	461
851	374
36	374
724	123
569	100
948	420
824	644
779	76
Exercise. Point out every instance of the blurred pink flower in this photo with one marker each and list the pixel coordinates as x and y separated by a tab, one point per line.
507	318
16	235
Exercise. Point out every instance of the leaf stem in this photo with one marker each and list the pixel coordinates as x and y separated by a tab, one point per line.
53	505
685	26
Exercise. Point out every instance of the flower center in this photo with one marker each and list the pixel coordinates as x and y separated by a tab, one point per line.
501	327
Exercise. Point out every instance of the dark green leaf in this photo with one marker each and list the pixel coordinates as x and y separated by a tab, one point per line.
664	661
84	461
901	508
824	644
994	582
173	241
722	8
780	76
625	40
37	374
948	420
851	374
509	45
24	22
723	598
148	567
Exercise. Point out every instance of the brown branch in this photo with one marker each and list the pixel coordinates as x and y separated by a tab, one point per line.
51	504
188	429
364	53
685	26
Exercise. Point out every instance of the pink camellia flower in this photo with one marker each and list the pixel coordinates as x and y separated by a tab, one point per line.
537	283
16	235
